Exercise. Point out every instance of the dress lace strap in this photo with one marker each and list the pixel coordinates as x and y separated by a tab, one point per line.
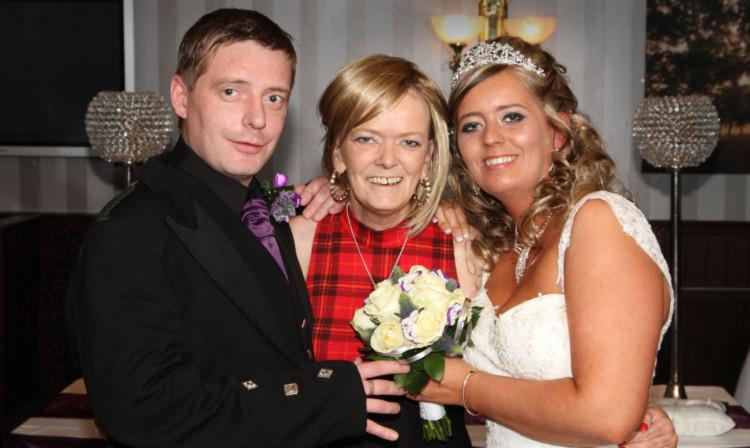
633	222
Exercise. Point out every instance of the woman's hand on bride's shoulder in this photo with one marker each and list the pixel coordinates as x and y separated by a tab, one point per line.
452	219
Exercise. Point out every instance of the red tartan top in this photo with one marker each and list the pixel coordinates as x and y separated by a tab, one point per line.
338	282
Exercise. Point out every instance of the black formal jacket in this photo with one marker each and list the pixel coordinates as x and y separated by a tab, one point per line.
188	334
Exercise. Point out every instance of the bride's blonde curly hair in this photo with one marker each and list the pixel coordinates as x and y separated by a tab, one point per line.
581	166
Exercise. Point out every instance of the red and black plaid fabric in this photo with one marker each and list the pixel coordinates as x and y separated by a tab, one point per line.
338	282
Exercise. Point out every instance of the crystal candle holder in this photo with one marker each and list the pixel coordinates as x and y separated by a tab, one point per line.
128	127
676	131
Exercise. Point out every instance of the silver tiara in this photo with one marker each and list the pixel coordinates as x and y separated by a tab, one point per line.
492	53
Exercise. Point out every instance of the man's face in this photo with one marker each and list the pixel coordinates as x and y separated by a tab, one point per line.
235	113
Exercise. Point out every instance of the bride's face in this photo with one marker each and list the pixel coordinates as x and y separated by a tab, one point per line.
504	137
384	159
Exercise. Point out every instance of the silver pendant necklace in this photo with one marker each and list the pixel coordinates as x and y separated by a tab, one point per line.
523	251
360	252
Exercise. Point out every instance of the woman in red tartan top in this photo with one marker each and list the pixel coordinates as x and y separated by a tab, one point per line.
338	282
387	154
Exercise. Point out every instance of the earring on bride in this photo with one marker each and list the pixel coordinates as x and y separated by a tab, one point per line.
552	167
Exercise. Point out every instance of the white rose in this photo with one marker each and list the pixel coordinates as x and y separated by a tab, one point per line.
429	326
430	292
361	321
384	300
387	337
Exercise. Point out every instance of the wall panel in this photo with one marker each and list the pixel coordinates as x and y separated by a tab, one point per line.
601	42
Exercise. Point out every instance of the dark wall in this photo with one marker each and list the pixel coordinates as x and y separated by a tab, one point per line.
713	304
38	253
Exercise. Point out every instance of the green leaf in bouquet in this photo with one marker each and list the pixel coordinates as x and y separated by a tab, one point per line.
365	335
405	379
475	312
374	356
418	382
434	365
447	345
397	274
271	193
406	306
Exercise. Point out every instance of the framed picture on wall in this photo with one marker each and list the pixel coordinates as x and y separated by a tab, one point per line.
701	47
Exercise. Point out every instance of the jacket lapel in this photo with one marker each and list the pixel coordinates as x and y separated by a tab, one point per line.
232	257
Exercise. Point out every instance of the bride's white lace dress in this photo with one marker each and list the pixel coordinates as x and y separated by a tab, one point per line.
531	340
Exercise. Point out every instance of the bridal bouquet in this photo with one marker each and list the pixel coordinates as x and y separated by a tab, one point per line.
421	317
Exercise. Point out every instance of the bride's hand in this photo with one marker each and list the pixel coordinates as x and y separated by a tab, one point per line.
448	390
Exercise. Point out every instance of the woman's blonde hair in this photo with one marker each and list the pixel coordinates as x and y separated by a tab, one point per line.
581	166
369	86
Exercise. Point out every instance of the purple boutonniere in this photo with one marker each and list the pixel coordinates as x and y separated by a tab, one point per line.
281	199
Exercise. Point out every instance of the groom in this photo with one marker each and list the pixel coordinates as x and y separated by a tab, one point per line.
189	329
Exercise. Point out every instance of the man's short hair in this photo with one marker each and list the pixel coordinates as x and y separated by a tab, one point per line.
224	27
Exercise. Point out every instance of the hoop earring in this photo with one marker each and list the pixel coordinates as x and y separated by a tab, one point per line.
425	183
332	180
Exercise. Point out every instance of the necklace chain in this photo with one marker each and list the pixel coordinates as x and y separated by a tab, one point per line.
523	251
360	252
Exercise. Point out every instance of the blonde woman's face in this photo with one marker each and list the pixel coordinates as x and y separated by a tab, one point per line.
504	138
384	159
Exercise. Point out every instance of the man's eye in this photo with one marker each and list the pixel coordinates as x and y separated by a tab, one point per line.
276	99
229	92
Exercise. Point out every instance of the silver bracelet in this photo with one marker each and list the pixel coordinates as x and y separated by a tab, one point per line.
463	392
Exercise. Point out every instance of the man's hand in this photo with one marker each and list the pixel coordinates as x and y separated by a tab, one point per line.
317	199
376	369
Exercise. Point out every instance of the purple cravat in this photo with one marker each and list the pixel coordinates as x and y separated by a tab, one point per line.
256	217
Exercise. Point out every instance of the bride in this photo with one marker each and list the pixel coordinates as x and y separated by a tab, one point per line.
579	295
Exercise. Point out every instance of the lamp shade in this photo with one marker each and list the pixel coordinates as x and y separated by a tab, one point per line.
457	28
534	30
676	131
